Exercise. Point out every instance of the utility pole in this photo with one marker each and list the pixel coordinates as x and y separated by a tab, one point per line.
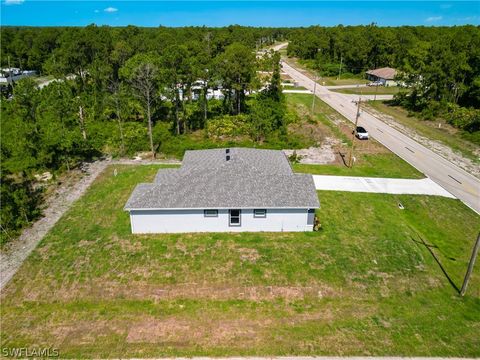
314	92
340	70
350	159
376	89
470	266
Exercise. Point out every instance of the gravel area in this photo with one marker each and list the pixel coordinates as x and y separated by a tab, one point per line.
14	253
325	154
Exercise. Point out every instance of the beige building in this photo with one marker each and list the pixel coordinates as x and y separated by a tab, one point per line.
384	75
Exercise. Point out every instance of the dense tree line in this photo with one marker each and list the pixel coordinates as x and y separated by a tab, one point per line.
439	65
123	90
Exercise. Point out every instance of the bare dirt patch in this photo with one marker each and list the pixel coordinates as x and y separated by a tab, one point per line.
153	330
325	154
248	255
141	290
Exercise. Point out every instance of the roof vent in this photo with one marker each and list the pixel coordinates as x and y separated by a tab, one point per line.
227	151
228	158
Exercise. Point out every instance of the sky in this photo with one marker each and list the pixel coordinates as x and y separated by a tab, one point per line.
249	13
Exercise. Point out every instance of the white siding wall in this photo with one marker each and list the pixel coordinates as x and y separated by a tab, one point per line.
178	221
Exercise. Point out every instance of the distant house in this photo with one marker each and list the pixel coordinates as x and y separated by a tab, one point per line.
9	75
385	75
225	190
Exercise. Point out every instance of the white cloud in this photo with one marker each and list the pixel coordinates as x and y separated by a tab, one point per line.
434	18
14	2
110	9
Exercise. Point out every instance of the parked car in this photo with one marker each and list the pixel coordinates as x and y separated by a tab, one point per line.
375	83
361	133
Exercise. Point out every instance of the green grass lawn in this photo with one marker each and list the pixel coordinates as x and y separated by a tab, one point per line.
333	81
292	87
363	285
370	90
377	165
446	134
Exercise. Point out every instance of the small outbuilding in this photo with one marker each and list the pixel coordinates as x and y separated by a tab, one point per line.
384	75
225	190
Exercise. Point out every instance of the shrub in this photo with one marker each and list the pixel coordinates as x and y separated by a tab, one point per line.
135	137
228	126
467	119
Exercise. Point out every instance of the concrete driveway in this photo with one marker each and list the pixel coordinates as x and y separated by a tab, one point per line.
380	185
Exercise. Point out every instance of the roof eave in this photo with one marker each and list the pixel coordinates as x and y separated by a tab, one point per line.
227	208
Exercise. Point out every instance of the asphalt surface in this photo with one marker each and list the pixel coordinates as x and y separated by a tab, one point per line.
455	180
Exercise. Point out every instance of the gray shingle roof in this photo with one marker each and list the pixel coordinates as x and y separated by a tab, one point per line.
252	178
386	73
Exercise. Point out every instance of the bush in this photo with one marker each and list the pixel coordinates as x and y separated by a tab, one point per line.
467	119
20	205
135	136
228	126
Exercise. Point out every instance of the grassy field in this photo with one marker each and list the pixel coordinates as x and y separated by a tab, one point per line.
292	87
373	159
370	90
376	165
363	285
333	81
446	134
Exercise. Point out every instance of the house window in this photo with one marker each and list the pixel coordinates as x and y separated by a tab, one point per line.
210	213
259	213
234	217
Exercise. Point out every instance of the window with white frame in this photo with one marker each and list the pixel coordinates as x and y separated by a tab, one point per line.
235	217
260	213
210	213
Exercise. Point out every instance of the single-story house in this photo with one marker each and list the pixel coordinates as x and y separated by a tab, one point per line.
385	75
225	190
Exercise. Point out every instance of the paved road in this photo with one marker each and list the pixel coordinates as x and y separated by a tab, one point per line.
369	97
285	91
455	180
345	86
380	185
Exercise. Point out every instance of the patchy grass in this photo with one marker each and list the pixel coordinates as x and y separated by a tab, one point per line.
437	130
371	90
379	165
333	81
373	159
363	285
